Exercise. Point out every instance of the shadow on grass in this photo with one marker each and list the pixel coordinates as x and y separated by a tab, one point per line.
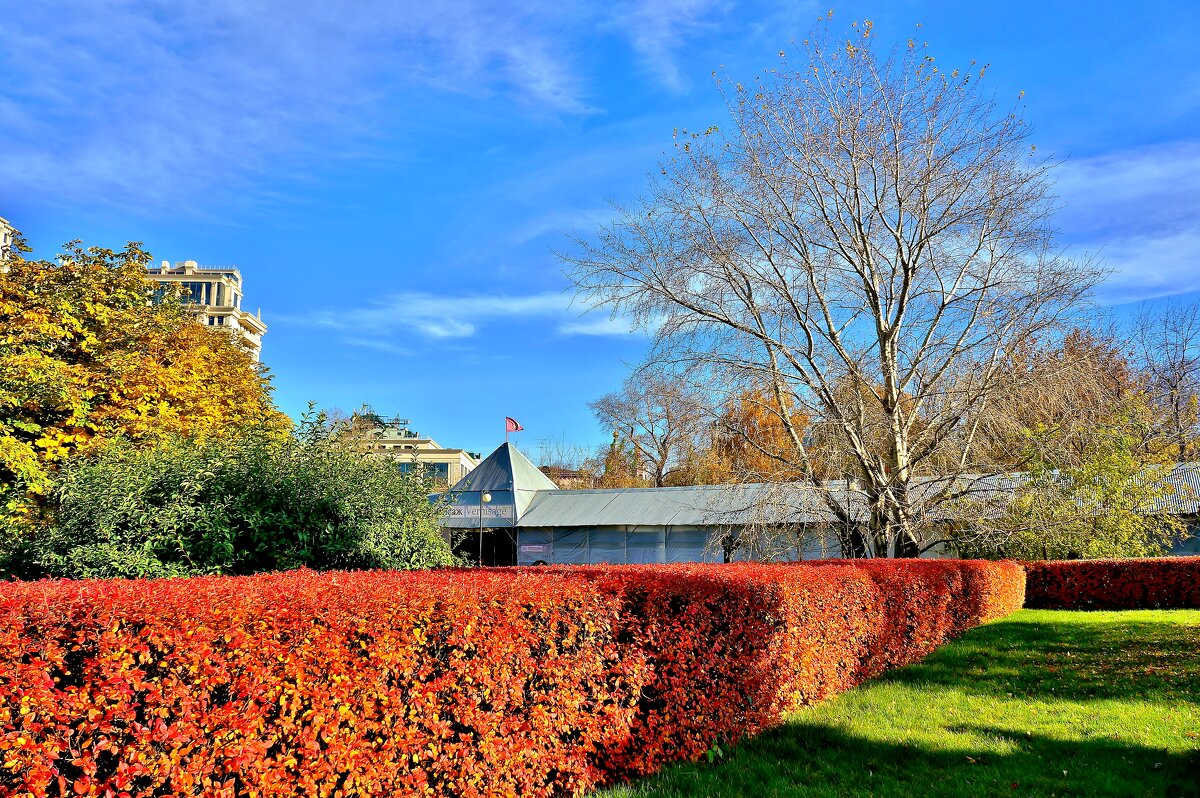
1124	660
821	762
1043	704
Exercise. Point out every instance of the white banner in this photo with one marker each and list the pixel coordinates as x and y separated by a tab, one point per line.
473	511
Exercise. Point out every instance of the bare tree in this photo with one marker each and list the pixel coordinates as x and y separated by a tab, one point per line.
1054	395
561	453
870	220
1168	350
357	427
659	416
569	465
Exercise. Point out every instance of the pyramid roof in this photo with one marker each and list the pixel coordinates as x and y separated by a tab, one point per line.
504	469
511	480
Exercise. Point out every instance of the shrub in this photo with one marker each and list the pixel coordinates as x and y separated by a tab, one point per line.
1158	583
454	683
256	501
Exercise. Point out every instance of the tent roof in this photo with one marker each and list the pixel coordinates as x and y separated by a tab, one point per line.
504	469
697	505
790	503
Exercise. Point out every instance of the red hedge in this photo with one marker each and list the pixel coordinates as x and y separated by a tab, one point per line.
461	683
1159	583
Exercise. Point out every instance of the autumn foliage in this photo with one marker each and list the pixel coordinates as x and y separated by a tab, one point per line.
452	683
1158	583
86	358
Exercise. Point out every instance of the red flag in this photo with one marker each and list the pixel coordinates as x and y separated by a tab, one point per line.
512	425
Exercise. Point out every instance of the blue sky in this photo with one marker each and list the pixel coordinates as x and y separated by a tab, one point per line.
392	178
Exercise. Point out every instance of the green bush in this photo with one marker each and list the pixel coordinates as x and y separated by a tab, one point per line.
254	502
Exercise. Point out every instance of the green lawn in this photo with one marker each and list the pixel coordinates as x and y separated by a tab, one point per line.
1040	704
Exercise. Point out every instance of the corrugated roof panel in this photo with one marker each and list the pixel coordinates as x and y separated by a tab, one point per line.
699	505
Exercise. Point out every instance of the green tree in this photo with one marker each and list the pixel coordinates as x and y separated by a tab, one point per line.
85	358
1103	502
253	502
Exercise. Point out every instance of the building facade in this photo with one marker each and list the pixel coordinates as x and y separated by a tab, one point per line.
215	295
7	236
393	438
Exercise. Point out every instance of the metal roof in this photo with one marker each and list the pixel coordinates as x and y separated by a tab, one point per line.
504	469
525	497
507	479
1180	489
696	505
1184	497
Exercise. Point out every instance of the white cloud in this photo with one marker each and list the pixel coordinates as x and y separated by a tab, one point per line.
141	102
380	346
439	316
601	326
1140	210
388	324
1131	191
566	221
1149	267
658	29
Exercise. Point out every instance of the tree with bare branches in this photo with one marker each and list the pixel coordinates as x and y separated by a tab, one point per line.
869	219
1168	351
1055	395
659	417
568	464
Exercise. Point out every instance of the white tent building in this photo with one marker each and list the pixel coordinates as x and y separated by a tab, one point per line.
513	514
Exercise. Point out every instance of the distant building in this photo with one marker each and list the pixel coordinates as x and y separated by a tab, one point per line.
7	236
215	293
393	438
569	478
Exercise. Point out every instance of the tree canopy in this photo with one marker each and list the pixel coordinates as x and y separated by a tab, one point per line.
246	502
870	243
87	358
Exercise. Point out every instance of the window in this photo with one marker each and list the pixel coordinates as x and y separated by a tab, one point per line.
197	293
433	470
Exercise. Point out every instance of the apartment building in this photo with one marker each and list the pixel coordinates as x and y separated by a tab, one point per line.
215	292
7	235
392	437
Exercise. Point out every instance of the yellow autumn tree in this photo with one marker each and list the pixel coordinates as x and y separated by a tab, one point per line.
86	357
753	443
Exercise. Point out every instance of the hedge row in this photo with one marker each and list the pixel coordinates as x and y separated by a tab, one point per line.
1159	583
462	683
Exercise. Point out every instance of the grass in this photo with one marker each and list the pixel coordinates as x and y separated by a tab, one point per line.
1040	704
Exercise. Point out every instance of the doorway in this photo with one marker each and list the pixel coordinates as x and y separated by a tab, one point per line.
489	548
